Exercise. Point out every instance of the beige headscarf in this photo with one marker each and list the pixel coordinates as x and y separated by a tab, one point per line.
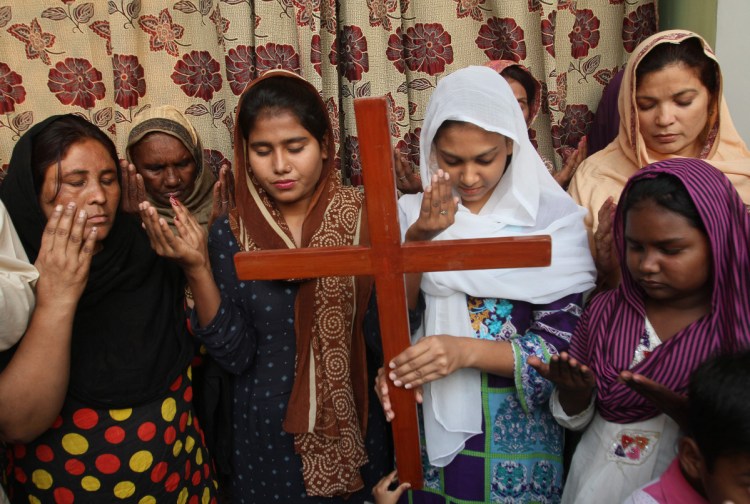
605	173
167	119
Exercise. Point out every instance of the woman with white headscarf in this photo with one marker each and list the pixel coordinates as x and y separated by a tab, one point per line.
488	432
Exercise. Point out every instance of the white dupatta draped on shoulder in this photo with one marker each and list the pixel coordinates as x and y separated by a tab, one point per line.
527	201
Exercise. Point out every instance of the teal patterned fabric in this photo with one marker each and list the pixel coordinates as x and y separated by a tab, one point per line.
518	456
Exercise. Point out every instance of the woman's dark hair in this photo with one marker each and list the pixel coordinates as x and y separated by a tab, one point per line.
51	145
278	94
667	192
718	409
525	79
688	52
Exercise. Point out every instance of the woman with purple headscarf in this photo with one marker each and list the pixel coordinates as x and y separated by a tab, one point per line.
682	235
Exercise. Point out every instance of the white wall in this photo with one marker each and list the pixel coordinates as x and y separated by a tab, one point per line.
733	51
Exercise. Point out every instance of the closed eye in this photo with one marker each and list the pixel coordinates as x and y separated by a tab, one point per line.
633	246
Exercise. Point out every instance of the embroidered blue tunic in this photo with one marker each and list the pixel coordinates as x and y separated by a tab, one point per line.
518	456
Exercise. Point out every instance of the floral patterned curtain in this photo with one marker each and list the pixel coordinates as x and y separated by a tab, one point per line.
109	60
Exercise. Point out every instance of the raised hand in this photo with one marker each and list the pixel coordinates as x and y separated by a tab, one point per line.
407	180
223	195
188	248
385	496
64	257
607	265
34	384
438	209
572	158
132	186
575	381
673	404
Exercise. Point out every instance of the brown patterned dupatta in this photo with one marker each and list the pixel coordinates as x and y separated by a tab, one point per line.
327	409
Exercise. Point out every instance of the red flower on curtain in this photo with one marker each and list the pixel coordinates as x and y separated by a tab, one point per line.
36	40
502	39
573	126
532	138
12	92
351	147
240	63
353	56
398	114
585	33
76	82
428	48
306	10
410	146
328	19
548	33
380	10
639	25
102	29
316	54
333	115
129	82
605	75
198	74
163	32
535	5
395	51
221	23
214	160
471	8
281	56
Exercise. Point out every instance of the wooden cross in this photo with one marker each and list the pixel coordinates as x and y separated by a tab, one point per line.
388	260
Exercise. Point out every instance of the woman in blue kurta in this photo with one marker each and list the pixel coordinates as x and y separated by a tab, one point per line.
488	432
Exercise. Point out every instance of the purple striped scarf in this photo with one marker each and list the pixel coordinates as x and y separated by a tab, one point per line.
609	330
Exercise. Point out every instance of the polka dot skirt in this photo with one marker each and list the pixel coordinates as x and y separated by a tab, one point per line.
148	454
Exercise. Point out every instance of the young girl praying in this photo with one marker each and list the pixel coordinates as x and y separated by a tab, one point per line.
295	348
682	235
488	432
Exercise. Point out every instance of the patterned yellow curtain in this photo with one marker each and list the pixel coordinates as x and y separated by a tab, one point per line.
108	60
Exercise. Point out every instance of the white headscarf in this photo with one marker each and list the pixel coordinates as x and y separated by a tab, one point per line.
527	201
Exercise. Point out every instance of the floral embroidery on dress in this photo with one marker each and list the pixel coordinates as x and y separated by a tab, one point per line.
544	487
517	432
632	447
532	388
508	481
491	318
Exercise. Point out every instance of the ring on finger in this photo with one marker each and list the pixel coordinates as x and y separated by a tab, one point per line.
443	212
402	177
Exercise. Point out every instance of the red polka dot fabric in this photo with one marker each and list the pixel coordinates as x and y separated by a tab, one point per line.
147	454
